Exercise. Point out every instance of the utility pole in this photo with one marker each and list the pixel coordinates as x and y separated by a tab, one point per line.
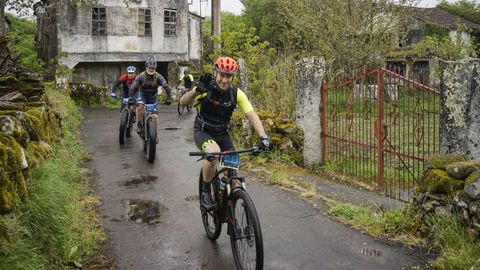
216	26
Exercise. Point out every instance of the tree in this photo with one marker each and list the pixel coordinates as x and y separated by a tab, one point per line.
19	6
349	34
468	9
267	18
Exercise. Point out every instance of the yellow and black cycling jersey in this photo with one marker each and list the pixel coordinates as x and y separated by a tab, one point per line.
216	107
187	81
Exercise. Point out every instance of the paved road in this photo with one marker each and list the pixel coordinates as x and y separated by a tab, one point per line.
296	235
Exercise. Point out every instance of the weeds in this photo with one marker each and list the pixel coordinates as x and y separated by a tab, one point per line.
279	178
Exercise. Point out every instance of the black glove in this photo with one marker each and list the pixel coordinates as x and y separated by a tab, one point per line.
265	144
203	83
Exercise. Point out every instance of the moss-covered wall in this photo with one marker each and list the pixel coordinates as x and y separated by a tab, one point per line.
88	94
451	186
284	133
25	136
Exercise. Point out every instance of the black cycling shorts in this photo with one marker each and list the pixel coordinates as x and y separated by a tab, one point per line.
203	138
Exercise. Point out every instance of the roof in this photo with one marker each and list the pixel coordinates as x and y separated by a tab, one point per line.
193	14
443	18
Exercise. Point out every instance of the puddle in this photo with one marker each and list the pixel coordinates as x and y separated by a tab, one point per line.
192	198
143	211
371	252
139	179
172	128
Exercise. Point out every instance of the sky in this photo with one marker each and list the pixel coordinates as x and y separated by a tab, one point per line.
236	7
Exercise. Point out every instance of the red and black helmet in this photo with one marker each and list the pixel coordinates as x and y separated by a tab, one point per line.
226	64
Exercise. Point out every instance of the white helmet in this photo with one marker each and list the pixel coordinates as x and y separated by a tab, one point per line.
131	69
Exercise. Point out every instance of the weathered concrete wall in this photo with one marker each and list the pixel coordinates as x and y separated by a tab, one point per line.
310	74
195	37
460	108
122	42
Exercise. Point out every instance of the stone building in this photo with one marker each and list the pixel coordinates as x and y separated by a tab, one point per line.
425	22
100	41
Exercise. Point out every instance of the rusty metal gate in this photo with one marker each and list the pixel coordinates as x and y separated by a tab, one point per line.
379	127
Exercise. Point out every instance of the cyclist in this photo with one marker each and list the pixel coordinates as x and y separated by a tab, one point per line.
187	80
126	79
148	82
216	100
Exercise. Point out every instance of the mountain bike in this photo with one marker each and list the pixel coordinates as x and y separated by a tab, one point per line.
127	117
148	132
181	108
233	205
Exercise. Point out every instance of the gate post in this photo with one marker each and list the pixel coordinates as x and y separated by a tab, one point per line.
378	127
459	108
310	74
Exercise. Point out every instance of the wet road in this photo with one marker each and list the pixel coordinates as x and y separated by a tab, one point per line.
296	235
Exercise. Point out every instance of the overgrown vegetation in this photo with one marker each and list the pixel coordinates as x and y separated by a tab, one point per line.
22	33
458	249
57	226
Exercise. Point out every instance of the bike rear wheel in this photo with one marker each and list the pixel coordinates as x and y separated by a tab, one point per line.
245	232
210	219
180	108
151	140
122	130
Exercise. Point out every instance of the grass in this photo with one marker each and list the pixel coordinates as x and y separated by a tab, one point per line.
458	248
279	178
395	224
57	226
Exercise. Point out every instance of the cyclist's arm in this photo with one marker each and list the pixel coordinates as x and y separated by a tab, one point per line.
116	84
161	81
190	96
135	84
250	113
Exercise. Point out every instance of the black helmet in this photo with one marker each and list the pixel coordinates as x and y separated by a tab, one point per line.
187	70
151	63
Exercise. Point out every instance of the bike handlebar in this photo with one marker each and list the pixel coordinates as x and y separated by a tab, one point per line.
253	150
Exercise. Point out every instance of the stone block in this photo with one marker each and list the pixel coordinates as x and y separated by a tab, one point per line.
472	185
438	181
461	170
442	161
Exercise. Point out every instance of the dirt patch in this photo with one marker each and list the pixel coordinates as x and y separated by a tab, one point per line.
192	198
97	263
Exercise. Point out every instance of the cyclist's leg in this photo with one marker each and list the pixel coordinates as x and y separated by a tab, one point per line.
139	111
206	143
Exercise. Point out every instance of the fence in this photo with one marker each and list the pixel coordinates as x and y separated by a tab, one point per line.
378	127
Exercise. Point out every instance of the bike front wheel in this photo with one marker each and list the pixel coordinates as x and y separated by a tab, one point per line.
151	140
211	220
122	130
245	232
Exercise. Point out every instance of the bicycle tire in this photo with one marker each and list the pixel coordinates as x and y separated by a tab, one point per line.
189	108
211	221
180	108
130	124
151	129
244	224
123	127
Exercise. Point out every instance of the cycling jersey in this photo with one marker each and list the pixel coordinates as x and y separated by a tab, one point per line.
126	83
187	81
149	84
215	109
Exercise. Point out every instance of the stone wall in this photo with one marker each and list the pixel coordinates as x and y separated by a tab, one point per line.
284	133
460	108
28	125
451	186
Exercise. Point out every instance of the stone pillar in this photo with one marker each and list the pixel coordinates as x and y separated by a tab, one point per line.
242	75
310	74
460	108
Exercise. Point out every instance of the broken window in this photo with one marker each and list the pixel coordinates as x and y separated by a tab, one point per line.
99	21
170	22
144	22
